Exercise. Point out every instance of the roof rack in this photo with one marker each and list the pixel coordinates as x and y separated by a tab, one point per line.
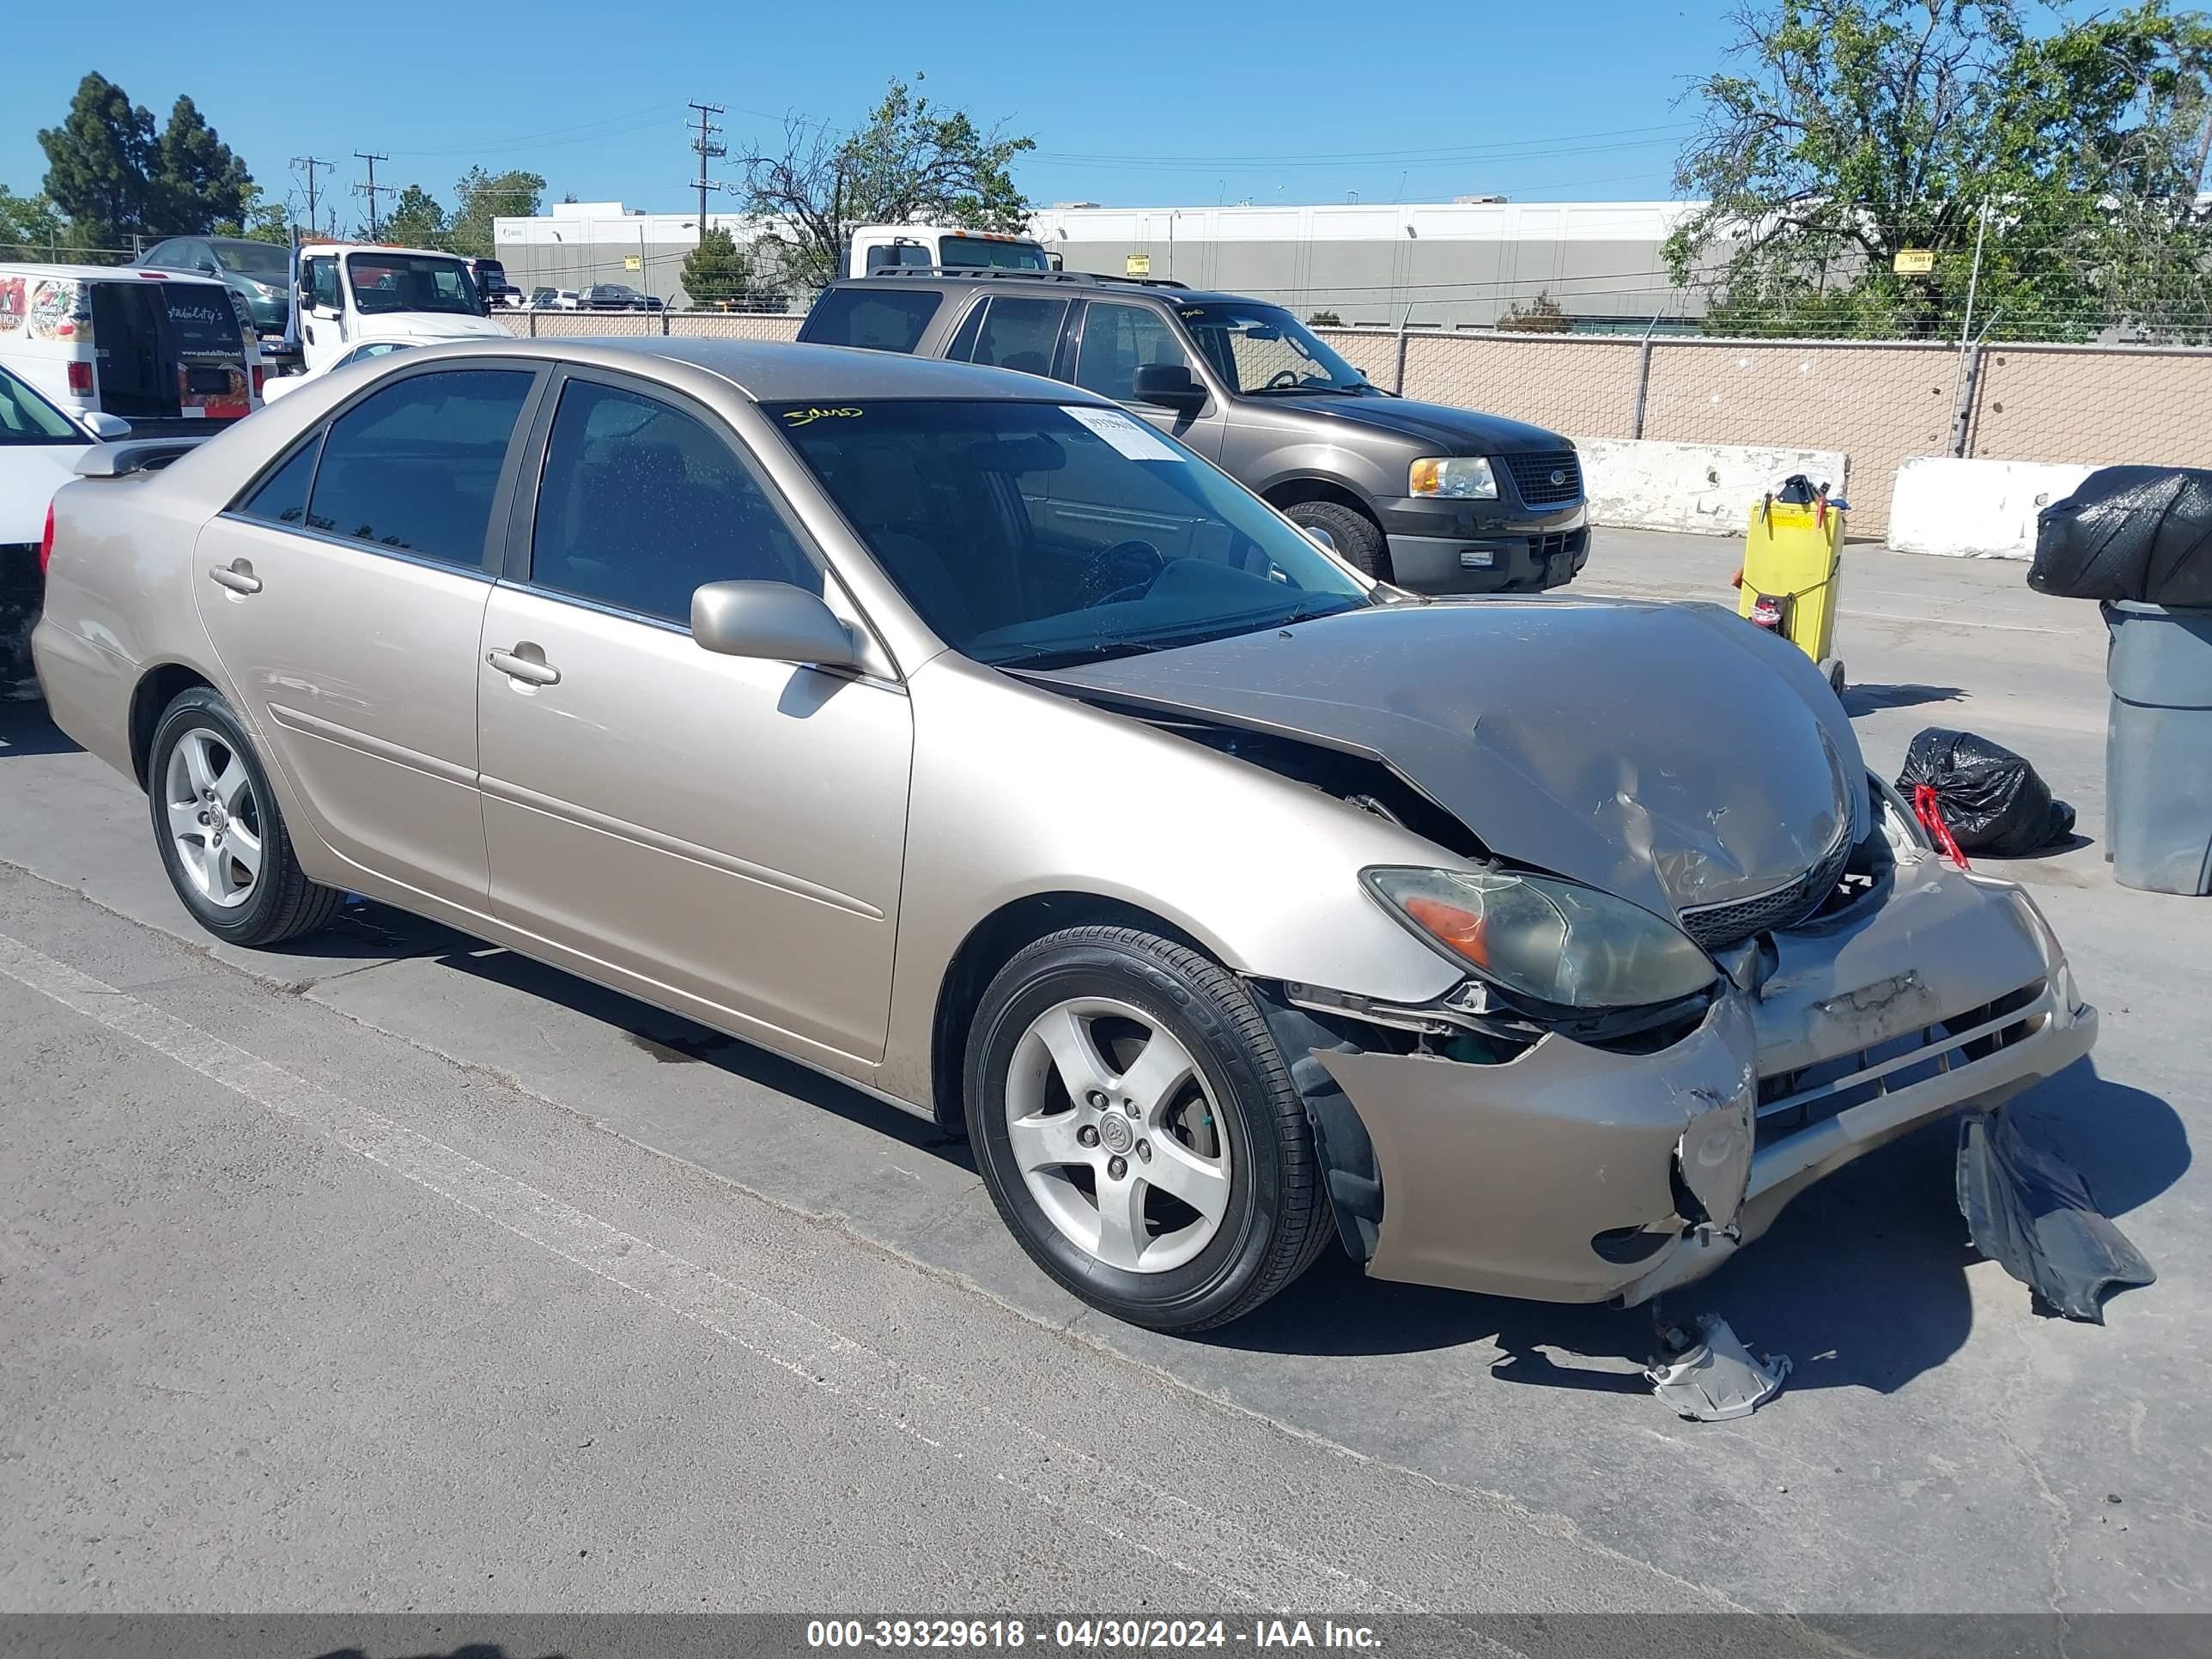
1004	273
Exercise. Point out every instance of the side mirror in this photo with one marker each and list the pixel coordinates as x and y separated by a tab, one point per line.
105	427
1319	537
771	620
1170	385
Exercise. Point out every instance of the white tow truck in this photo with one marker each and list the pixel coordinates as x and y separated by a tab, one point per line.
876	246
351	294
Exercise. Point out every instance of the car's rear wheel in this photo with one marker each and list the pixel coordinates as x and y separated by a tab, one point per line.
1139	1131
221	836
1358	539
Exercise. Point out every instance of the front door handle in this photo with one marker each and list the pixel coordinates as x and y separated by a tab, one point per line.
238	577
530	671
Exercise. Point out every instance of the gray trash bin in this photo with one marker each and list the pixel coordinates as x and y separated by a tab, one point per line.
2158	747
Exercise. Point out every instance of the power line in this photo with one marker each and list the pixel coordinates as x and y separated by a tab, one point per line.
707	150
371	188
311	162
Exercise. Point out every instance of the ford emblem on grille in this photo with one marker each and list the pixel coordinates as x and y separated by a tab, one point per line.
1558	476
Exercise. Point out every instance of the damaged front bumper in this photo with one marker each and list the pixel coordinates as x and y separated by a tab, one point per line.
1573	1173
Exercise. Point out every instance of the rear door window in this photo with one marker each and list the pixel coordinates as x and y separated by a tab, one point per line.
1013	333
415	467
875	319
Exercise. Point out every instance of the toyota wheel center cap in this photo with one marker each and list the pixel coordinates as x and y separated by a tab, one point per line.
1116	1132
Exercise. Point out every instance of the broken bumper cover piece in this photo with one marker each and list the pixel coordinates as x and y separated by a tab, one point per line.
1572	1173
2033	1214
1712	1378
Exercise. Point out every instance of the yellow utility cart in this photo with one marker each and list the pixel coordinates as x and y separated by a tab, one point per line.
1790	582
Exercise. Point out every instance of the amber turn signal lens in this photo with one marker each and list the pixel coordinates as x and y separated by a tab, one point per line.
1462	930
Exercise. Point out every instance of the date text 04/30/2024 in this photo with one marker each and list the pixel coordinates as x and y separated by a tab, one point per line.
1169	1634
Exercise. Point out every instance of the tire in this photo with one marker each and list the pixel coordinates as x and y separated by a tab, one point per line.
1233	1134
260	900
1358	538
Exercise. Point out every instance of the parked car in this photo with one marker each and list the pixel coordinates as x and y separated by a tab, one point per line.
491	282
1430	497
367	351
554	299
40	449
259	273
618	296
956	734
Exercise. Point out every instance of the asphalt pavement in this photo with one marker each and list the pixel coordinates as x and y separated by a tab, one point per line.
394	1272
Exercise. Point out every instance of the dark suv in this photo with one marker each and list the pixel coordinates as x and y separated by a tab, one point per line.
1445	500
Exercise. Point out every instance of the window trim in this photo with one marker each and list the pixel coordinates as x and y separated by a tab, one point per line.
514	568
503	493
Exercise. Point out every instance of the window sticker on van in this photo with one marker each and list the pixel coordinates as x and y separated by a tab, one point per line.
1129	437
11	304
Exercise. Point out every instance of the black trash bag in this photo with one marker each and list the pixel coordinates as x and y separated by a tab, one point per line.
1991	799
2128	532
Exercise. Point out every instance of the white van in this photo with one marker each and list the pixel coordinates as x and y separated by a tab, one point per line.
875	247
352	292
164	351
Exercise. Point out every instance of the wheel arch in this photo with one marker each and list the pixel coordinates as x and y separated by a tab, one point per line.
1306	487
159	686
993	943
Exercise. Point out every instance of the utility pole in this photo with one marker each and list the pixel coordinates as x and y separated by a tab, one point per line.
370	188
709	151
311	162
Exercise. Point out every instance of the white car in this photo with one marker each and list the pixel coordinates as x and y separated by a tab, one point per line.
554	299
360	354
41	447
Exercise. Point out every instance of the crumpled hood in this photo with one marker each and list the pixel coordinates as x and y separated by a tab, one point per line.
1670	754
1438	428
427	327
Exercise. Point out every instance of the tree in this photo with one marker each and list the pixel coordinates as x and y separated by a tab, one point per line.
260	220
1542	315
1842	132
199	180
101	163
910	162
479	197
718	270
30	226
415	219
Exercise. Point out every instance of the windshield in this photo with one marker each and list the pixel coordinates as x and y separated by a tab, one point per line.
1033	535
1257	348
984	251
270	261
412	282
27	418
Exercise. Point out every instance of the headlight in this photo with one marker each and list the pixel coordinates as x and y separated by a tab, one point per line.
1549	940
1465	477
266	290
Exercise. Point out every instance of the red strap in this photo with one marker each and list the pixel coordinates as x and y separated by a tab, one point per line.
1929	811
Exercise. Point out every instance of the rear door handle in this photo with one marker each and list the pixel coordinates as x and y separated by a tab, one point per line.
529	671
237	580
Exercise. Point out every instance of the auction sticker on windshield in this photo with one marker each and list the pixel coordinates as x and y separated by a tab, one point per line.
1129	437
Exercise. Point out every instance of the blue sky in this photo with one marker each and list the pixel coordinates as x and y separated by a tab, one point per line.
1140	104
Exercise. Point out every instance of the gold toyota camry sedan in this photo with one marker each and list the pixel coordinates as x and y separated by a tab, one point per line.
974	740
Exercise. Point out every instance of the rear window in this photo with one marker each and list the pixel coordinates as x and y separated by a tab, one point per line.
205	320
984	251
872	318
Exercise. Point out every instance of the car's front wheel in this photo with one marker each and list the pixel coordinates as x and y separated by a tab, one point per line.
221	837
1358	539
1139	1132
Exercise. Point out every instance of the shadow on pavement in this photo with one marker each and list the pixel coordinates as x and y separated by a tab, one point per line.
25	729
1865	699
673	1040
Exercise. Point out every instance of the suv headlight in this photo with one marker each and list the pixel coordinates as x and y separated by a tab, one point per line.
1464	478
1551	940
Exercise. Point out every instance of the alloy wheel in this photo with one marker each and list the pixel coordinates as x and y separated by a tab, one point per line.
1117	1135
214	817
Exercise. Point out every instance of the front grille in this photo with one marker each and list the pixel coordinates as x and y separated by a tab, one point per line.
1532	477
1790	1103
1719	927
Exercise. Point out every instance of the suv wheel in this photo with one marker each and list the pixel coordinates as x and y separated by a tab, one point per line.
1358	538
1138	1131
